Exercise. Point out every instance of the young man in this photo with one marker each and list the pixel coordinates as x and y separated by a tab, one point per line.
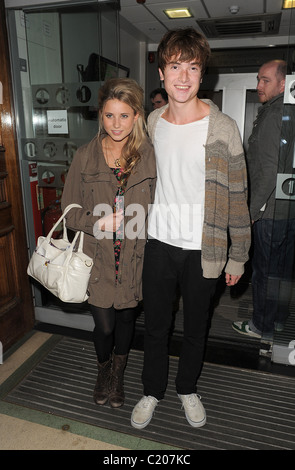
271	151
201	194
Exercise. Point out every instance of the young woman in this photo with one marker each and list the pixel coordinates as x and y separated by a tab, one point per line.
114	171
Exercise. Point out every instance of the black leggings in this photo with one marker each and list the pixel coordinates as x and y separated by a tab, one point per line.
113	330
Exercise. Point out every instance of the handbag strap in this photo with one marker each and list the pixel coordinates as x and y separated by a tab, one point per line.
67	209
81	241
65	232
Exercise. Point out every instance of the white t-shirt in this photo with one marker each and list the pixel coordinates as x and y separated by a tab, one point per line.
177	215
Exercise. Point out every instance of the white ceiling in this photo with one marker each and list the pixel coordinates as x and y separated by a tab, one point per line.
151	22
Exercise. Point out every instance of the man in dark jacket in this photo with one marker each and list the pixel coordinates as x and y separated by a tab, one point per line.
159	98
270	154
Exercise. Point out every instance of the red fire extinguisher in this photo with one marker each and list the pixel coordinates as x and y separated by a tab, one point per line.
50	216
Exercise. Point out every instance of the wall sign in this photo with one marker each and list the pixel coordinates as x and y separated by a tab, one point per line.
289	95
57	121
285	187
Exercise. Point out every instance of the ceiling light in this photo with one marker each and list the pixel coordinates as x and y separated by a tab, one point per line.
175	13
289	4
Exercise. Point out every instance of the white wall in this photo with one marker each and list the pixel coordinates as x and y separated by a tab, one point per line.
133	55
234	88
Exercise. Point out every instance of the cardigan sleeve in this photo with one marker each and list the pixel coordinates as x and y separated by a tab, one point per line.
153	119
238	219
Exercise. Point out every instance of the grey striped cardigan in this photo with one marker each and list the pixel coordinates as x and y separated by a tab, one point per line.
226	235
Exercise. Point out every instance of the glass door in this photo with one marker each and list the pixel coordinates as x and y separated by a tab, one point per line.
60	57
281	289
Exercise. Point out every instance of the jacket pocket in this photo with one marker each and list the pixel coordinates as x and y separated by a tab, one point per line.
97	266
88	183
91	178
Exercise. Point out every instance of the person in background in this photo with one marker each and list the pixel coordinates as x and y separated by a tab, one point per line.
270	151
159	98
109	174
201	196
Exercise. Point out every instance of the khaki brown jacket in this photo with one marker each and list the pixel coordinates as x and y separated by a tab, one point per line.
91	182
226	234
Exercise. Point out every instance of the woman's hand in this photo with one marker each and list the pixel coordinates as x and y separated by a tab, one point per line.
111	222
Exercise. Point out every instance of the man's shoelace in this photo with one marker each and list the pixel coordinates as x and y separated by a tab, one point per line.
191	400
146	402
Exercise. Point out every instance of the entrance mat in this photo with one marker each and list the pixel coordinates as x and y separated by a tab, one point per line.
245	409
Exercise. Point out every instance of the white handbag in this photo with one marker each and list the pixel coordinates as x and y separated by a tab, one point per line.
61	267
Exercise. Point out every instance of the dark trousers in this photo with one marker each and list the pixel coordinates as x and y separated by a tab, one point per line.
272	266
164	267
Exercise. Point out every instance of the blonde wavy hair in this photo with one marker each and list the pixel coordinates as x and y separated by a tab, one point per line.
128	91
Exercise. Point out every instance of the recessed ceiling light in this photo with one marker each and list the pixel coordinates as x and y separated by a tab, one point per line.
289	4
175	13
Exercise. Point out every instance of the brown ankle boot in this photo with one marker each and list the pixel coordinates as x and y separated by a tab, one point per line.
116	393
101	390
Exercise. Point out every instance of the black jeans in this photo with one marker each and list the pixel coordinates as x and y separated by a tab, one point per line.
164	267
272	265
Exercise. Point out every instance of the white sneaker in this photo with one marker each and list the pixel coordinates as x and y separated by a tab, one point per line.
194	411
143	412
